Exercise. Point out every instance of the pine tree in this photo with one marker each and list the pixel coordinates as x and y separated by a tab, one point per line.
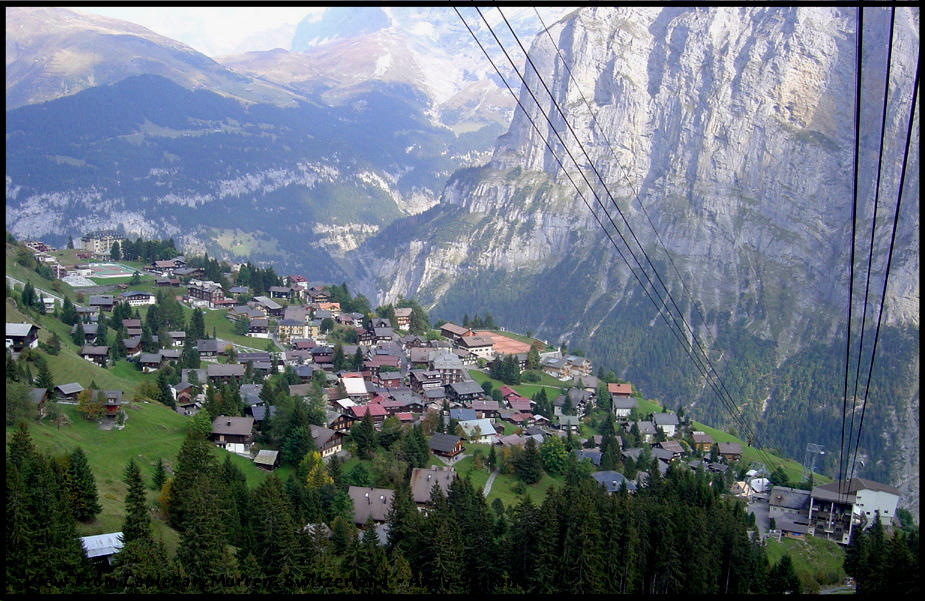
83	495
364	435
44	378
358	359
338	361
43	553
274	543
79	336
529	466
160	475
164	394
137	524
69	312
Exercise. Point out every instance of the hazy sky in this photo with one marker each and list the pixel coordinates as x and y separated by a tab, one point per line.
216	30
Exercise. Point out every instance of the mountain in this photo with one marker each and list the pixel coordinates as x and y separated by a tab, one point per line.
733	129
146	135
426	48
55	52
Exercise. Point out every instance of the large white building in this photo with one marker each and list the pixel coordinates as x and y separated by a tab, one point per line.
100	243
835	513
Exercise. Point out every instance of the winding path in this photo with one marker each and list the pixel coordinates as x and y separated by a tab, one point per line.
489	482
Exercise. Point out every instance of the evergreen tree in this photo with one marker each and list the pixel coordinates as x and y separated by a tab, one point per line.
274	544
44	378
69	312
79	336
529	466
338	361
43	553
114	252
70	242
82	493
197	326
137	524
358	359
363	435
783	577
28	295
164	395
160	475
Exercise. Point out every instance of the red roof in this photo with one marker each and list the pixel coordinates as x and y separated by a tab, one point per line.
506	391
626	389
405	416
517	417
520	404
375	410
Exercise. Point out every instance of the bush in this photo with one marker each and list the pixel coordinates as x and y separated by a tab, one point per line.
530	376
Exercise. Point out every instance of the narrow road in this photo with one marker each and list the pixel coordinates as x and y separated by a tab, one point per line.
489	482
37	290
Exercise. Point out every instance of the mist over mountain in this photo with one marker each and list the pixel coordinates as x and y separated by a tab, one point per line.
56	52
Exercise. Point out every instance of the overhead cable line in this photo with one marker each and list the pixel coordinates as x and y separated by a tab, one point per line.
842	468
629	227
873	228
889	260
683	342
581	195
626	177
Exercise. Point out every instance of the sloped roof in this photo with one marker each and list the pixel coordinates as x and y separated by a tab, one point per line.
266	457
370	502
485	427
445	443
100	545
423	480
225	424
612	480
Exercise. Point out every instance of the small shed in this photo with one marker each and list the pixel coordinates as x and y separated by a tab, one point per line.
266	459
101	547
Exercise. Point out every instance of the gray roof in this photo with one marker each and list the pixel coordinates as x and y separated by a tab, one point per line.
321	435
423	480
645	427
443	442
36	394
214	370
225	424
467	387
789	498
370	502
462	414
19	329
592	454
620	403
665	419
266	457
829	492
69	388
267	302
612	480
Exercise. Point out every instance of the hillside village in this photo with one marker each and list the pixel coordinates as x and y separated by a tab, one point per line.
467	390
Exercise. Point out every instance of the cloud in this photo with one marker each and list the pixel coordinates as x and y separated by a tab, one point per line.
216	30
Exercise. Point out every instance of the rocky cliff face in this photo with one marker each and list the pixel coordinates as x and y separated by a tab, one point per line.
734	129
